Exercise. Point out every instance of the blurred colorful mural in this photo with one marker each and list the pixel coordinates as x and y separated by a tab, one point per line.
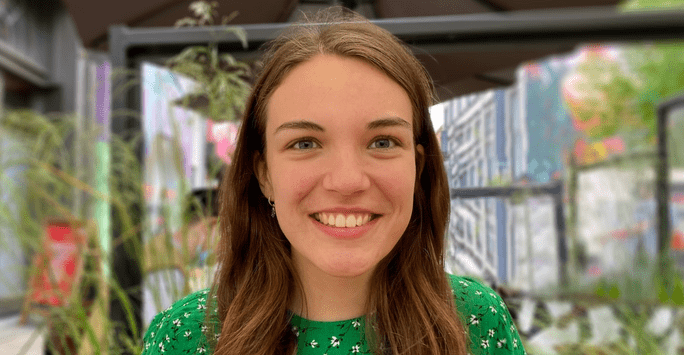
183	155
576	119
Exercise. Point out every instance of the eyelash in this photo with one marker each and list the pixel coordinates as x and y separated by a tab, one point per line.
392	140
293	144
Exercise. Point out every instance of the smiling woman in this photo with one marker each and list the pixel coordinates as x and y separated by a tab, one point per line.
333	214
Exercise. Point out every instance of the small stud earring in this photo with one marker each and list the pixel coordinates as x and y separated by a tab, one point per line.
273	213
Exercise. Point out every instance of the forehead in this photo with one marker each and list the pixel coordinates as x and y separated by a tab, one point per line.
332	86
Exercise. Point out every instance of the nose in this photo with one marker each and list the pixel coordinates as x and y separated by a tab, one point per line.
346	173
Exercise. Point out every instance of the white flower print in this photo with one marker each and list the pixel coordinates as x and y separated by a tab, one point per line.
201	350
335	342
204	329
186	314
478	293
485	344
167	338
491	333
187	334
500	343
491	308
504	317
201	300
147	346
161	348
314	343
201	306
465	284
356	324
492	294
515	343
474	320
177	323
355	349
295	330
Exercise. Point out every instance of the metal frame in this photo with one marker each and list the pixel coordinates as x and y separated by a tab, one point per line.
434	34
662	179
555	189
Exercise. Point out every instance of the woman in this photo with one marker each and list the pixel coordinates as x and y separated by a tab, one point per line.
336	206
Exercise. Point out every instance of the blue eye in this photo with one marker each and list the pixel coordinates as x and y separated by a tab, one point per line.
383	143
305	144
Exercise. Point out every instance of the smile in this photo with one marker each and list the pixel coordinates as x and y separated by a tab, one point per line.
341	220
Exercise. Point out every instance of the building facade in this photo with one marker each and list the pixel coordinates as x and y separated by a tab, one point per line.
484	140
43	68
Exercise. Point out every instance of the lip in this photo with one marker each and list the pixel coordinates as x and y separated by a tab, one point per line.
345	210
344	233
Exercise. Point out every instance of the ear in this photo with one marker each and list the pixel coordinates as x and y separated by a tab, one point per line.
420	160
261	171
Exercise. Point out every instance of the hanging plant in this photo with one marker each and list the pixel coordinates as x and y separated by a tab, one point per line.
223	83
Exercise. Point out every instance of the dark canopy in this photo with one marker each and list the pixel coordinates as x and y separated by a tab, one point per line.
455	72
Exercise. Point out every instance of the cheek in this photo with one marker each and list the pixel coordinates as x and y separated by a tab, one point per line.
397	182
295	182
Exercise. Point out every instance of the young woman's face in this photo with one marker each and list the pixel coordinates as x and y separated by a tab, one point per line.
340	164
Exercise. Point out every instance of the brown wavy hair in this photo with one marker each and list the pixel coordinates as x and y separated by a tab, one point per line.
410	307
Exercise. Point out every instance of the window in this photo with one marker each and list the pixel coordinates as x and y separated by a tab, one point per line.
462	182
480	173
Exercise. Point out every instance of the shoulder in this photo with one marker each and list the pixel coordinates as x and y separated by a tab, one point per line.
486	316
471	293
180	329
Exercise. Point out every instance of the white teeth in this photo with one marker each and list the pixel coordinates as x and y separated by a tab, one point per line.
350	221
341	221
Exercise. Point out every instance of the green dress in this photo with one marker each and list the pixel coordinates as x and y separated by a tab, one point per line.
181	328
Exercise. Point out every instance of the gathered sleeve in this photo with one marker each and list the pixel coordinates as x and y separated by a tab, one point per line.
486	318
180	329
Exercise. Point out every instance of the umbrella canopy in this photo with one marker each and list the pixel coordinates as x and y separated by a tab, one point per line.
455	73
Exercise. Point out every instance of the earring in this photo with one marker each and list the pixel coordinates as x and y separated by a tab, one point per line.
273	213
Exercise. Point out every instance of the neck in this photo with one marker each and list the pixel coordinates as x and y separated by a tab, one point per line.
331	298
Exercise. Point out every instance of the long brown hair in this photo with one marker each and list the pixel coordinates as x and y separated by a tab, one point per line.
411	308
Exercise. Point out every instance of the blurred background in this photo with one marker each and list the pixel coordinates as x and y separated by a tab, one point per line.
561	124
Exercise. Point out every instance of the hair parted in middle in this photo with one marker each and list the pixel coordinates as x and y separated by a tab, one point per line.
410	307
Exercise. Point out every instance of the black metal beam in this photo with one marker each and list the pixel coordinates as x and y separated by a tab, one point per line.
453	33
126	270
553	188
663	181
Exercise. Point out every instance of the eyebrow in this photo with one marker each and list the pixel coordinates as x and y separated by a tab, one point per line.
379	123
300	125
389	122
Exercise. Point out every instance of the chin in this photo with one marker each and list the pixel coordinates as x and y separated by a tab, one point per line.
347	269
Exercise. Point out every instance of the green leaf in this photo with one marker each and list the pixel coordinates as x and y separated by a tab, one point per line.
678	294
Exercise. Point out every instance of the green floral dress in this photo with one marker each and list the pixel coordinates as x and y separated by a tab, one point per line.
181	328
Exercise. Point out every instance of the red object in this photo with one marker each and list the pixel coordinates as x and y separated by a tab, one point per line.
58	265
677	240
